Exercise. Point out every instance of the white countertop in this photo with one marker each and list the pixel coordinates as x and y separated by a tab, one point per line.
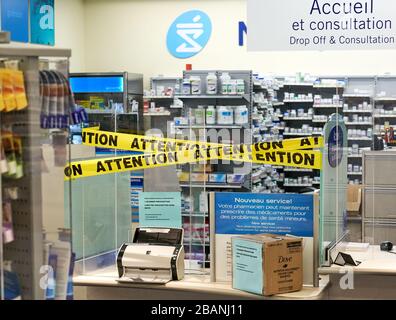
373	261
198	283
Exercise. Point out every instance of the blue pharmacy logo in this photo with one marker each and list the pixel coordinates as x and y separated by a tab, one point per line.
189	34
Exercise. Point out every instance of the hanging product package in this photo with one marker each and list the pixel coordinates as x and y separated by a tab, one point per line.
19	89
77	114
2	105
8	230
45	106
8	90
17	141
7	141
63	103
53	99
3	160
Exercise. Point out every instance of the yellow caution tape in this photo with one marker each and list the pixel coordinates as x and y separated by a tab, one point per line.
132	142
161	152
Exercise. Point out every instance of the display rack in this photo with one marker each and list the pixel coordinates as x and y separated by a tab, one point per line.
266	126
298	111
194	191
358	116
384	115
26	251
160	106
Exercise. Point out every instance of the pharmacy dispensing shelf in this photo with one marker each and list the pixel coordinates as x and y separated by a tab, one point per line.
298	170
358	123
275	104
298	84
297	134
359	139
298	118
211	185
355	173
328	86
318	121
357	111
156	114
95	112
357	95
214	97
158	97
385	99
298	101
297	185
379	116
210	126
327	106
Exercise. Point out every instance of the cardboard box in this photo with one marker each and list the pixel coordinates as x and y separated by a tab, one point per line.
267	264
354	199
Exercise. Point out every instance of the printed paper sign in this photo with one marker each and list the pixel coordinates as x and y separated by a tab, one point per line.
321	25
248	265
160	209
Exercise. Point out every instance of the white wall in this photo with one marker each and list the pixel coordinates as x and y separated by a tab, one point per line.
130	35
70	30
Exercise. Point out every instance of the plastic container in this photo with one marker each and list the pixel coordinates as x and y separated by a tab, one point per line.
211	83
224	115
225	79
195	85
200	115
240	86
186	86
232	87
211	115
241	115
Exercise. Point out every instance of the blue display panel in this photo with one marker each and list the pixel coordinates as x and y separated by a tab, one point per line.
251	213
42	22
97	84
15	19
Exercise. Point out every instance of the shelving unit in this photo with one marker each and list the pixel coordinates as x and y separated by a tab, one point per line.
195	193
163	91
358	108
266	126
298	115
384	106
26	251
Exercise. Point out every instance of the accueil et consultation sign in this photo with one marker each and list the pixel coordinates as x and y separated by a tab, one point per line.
321	25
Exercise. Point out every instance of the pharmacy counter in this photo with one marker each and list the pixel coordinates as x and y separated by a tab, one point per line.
193	287
374	278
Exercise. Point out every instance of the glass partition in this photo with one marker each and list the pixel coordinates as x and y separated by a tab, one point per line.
333	191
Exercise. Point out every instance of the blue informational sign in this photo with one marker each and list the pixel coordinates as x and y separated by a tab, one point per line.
160	209
15	19
249	213
97	84
189	34
42	22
